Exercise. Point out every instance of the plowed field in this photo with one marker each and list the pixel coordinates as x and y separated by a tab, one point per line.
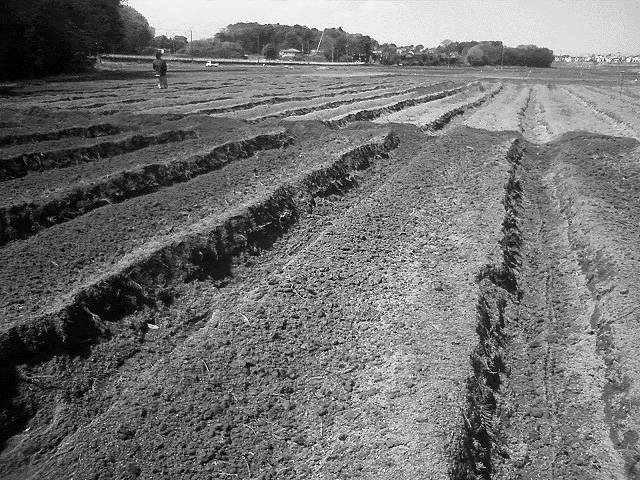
277	273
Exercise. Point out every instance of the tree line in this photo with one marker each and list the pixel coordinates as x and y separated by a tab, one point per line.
268	40
51	36
40	37
495	53
465	53
337	45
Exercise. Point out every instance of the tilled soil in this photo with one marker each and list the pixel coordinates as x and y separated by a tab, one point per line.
38	271
347	300
293	359
46	184
504	111
430	113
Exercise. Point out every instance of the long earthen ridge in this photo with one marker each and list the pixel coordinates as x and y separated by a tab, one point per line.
26	219
479	444
19	166
374	113
206	250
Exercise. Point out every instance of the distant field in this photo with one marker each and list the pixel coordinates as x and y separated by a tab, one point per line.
321	272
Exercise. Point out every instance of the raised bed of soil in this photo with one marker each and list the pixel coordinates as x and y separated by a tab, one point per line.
38	272
344	112
504	112
357	344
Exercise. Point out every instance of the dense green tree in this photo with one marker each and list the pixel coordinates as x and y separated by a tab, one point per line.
292	40
161	42
270	52
485	53
334	43
254	36
213	48
538	57
171	44
179	44
137	32
361	46
47	36
491	53
389	55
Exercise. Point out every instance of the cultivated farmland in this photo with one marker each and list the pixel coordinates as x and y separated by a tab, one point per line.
283	273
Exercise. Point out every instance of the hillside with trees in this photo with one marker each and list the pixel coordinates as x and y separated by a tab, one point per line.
42	37
336	43
465	53
138	35
213	48
253	37
494	53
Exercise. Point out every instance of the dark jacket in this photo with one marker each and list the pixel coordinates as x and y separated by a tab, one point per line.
160	66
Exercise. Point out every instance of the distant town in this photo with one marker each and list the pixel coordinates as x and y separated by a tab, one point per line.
609	58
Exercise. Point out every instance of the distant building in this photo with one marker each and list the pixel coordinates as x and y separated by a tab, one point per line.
290	53
609	58
180	38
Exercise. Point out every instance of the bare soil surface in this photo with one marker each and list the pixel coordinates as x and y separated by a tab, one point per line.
424	94
557	380
312	353
211	132
40	270
429	113
504	112
436	277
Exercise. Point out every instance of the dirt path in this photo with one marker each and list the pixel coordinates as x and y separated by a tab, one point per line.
566	404
597	191
504	112
558	428
440	111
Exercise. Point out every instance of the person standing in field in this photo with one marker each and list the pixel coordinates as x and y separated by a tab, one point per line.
160	67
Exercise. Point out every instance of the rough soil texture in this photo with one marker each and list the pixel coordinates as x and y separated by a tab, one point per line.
20	220
38	271
310	357
504	111
370	109
38	187
437	112
343	298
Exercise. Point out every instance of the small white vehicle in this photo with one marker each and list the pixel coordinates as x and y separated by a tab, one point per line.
210	63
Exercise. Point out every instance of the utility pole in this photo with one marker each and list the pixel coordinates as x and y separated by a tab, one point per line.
502	59
191	44
321	36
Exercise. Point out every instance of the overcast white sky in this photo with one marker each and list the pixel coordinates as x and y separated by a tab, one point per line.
565	26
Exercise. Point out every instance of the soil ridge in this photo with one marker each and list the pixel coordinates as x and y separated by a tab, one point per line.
26	219
373	113
19	166
205	250
480	441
